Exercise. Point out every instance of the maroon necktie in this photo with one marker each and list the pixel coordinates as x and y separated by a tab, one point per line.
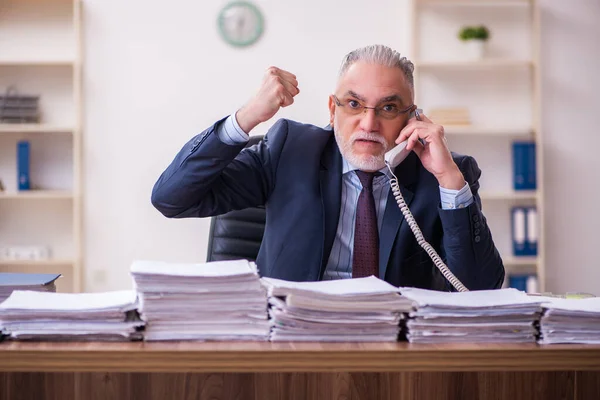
366	237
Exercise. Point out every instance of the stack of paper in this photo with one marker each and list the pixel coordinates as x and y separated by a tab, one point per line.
347	310
71	316
571	321
221	300
37	282
504	316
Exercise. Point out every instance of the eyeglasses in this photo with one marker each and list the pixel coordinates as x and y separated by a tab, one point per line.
387	111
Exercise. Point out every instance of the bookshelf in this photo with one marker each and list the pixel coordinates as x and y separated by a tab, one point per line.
469	130
509	195
501	90
55	262
488	64
41	54
38	194
34	128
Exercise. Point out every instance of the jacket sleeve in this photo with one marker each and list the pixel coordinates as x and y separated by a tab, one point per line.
208	177
468	247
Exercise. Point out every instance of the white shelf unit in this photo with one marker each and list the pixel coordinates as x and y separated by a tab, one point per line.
509	195
38	263
34	128
489	131
491	64
41	54
38	195
478	3
37	63
502	93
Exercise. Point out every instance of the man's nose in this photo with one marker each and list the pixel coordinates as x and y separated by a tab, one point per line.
369	121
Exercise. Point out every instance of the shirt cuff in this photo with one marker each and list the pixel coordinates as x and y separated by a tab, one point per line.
230	133
453	199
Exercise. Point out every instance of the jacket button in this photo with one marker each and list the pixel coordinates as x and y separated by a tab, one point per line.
476	218
476	225
477	239
476	231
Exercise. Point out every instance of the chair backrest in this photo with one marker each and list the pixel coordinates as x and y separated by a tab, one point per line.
237	234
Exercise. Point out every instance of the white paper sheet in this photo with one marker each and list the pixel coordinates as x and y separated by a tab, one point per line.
211	269
31	300
472	299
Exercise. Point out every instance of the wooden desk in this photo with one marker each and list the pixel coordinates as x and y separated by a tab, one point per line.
254	370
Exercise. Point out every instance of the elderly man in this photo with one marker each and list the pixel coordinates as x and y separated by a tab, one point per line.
330	211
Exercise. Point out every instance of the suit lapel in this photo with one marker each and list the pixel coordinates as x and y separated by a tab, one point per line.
393	218
330	180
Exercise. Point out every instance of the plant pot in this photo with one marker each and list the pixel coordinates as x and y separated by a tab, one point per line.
475	49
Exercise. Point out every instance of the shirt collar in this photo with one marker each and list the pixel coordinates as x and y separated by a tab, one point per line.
347	167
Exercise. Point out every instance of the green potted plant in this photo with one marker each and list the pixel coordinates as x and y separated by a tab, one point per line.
474	38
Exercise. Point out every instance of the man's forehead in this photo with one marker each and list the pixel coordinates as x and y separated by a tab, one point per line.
374	81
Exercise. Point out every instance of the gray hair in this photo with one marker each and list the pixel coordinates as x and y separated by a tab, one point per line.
381	55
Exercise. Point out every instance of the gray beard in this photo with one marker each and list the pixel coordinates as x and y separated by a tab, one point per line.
364	162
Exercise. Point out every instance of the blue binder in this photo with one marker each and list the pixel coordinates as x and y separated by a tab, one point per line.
531	241
23	165
518	282
519	230
526	283
524	166
530	177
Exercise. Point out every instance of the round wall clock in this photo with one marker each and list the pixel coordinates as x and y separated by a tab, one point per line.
240	23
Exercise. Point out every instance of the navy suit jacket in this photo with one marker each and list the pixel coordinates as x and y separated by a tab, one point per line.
296	172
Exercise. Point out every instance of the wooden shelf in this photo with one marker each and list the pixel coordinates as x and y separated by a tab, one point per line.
34	128
476	3
487	131
37	63
38	194
38	263
520	261
509	195
469	65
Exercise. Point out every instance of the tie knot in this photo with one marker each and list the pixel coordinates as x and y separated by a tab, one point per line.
366	178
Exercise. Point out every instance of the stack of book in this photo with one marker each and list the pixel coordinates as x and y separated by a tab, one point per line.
109	316
570	321
221	300
348	310
10	282
450	116
503	316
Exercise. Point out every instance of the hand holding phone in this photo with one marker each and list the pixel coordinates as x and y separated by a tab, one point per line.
397	154
392	158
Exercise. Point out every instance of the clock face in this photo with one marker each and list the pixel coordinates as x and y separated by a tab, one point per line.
240	23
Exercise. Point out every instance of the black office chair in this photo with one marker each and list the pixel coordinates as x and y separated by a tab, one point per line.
237	234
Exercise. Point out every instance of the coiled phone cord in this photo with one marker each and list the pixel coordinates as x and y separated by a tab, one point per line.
437	260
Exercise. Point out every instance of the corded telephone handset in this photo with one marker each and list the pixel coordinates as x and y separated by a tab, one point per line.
392	158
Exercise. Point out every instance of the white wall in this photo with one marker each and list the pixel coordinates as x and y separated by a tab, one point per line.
157	73
571	92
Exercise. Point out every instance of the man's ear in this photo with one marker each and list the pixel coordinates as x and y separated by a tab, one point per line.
331	110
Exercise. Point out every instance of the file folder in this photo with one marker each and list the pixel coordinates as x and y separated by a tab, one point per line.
519	231
532	232
23	165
